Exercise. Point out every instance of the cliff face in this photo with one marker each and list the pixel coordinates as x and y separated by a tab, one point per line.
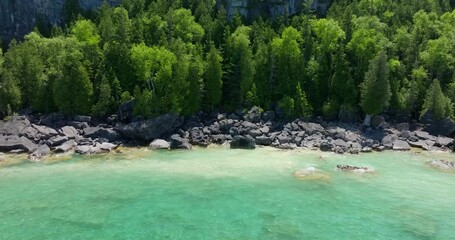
18	17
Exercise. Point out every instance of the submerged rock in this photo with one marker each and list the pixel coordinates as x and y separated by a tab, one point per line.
442	164
348	168
311	173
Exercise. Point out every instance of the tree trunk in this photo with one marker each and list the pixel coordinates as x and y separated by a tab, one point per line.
367	121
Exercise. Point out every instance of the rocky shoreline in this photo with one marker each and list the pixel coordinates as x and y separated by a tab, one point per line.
42	135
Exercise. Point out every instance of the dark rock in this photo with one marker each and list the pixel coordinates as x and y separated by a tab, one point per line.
214	128
268	116
126	110
354	169
254	115
243	142
405	134
326	147
65	147
98	132
8	143
57	140
347	115
444	127
78	125
197	137
378	121
160	144
220	138
255	132
234	131
311	128
284	138
14	126
263	140
178	142
80	118
400	145
69	132
226	125
40	152
152	128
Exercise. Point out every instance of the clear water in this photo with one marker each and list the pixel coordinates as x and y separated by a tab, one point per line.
227	194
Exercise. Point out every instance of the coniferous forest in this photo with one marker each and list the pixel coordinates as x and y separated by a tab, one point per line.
184	56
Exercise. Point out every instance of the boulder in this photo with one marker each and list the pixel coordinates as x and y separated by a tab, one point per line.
9	143
243	142
326	146
311	128
444	127
151	129
378	121
89	150
57	140
197	137
45	132
387	141
40	152
178	142
442	164
348	168
66	146
401	145
98	132
14	126
263	140
80	118
226	125
424	135
220	138
254	115
426	145
107	147
160	144
69	132
444	141
268	116
255	133
78	125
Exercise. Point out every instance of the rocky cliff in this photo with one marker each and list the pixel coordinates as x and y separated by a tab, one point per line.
18	17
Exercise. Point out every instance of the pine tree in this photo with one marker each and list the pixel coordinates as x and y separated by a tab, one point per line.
375	89
214	76
436	103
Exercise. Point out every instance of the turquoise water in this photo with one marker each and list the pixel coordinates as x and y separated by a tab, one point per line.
227	194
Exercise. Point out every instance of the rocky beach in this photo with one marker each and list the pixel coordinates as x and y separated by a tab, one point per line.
39	136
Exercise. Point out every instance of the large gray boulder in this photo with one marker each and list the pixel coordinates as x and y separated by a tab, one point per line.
69	132
243	142
65	147
160	144
151	129
40	152
14	126
401	145
98	132
9	143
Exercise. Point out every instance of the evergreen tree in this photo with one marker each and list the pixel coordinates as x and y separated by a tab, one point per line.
436	103
375	89
214	76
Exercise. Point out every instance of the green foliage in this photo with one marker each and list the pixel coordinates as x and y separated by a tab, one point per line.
214	78
375	89
437	103
183	56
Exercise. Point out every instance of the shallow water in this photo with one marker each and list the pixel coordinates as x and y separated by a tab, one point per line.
227	194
